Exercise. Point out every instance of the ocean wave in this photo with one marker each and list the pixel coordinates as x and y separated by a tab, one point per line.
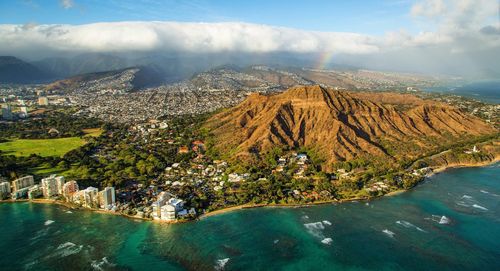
477	206
48	222
102	264
69	212
489	193
327	241
440	219
326	222
305	217
276	241
315	228
407	224
65	250
220	264
389	233
466	197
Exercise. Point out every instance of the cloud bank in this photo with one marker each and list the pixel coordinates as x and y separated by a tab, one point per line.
458	28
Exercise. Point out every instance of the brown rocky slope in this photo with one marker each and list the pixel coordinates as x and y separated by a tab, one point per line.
339	126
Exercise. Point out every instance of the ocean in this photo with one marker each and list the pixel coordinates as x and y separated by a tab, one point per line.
487	91
449	222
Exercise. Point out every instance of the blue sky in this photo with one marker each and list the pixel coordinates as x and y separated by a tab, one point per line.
359	16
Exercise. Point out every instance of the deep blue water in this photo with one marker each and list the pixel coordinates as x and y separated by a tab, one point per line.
485	91
401	232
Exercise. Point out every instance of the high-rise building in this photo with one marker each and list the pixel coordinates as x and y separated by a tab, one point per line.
60	184
70	188
23	182
49	186
90	197
4	190
168	212
43	101
108	197
6	112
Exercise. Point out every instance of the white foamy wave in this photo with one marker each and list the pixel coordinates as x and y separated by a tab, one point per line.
315	228
48	222
276	241
326	222
219	264
477	206
69	212
440	219
327	241
101	265
444	220
466	197
305	217
489	193
407	224
66	249
389	233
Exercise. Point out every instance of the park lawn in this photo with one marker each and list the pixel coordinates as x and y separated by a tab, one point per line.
42	147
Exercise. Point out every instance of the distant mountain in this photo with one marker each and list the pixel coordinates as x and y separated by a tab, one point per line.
340	126
126	80
16	71
81	64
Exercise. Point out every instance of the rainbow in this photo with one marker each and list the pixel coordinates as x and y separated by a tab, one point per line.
323	60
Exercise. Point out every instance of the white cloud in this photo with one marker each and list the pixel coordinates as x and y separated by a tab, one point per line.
182	37
67	3
447	28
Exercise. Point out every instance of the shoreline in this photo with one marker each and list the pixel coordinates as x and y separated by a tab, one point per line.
71	206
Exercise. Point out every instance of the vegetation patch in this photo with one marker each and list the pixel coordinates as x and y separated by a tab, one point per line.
42	147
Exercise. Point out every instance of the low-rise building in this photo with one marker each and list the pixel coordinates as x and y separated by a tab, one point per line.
35	191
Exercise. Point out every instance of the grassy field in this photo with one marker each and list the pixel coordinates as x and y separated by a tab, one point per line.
45	147
42	147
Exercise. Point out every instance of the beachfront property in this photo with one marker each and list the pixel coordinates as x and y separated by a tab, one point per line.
107	198
35	191
49	186
166	207
69	188
23	182
4	190
90	197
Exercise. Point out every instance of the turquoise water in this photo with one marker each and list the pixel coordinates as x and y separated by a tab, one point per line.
47	237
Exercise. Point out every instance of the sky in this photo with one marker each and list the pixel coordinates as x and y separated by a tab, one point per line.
462	36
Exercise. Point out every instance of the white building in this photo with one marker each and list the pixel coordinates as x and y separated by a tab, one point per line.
108	198
4	190
60	184
35	191
23	182
49	186
162	199
90	197
168	212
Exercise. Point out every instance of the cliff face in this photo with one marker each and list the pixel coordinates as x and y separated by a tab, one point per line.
338	125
